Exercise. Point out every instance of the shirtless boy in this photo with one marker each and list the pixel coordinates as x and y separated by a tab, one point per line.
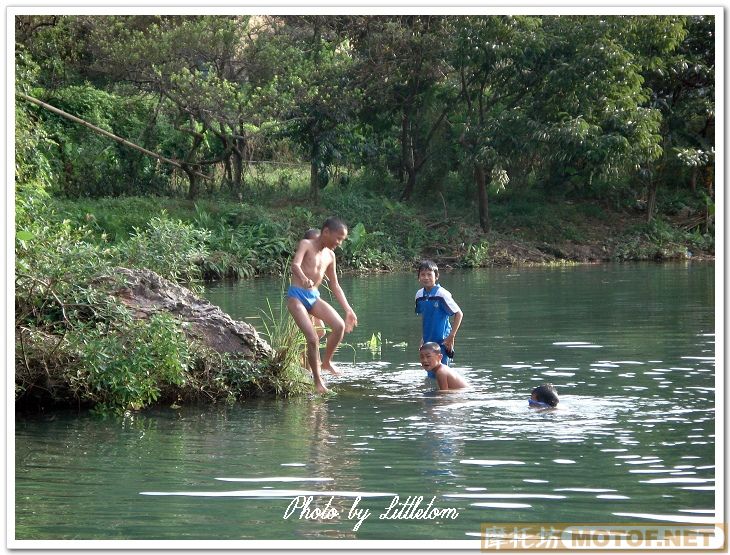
318	324
446	378
313	261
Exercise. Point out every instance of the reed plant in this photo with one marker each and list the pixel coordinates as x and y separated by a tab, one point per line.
287	373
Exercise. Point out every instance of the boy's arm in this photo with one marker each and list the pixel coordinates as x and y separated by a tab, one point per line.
350	316
296	265
449	340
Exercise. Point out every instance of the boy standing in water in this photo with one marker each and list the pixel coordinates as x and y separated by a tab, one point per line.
313	261
436	305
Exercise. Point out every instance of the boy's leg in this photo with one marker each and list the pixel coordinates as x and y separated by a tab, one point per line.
302	319
318	327
329	316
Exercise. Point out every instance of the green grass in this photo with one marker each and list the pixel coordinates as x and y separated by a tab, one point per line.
254	234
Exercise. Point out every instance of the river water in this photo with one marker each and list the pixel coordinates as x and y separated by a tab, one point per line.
630	349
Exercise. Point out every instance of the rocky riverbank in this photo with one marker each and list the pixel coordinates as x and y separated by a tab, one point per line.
223	359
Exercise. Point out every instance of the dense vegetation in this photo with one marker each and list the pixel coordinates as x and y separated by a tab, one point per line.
472	139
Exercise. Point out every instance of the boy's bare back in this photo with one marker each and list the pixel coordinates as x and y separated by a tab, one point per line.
448	380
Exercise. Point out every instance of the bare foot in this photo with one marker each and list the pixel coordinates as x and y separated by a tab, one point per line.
321	389
331	369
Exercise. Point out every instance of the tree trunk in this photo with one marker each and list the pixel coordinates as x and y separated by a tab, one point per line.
409	156
710	179
693	179
651	200
238	171
410	183
191	168
227	173
483	199
68	173
403	149
313	179
194	187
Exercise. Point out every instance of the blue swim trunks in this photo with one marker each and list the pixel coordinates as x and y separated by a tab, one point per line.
307	296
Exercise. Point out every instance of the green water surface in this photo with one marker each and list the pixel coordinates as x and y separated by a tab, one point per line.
630	349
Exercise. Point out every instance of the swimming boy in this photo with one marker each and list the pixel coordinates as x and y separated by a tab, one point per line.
446	378
437	305
544	397
313	261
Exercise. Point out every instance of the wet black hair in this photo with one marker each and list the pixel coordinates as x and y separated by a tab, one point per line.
311	233
428	265
546	393
334	224
430	346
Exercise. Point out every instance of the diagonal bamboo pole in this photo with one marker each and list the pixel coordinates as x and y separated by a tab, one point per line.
125	142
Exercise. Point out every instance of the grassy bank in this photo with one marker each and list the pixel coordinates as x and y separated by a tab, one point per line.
257	234
77	345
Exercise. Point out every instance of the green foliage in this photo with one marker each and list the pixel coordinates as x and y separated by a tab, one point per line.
682	83
399	228
99	351
54	259
364	250
535	216
89	164
656	240
237	377
169	247
262	247
77	341
476	256
123	364
33	144
563	115
114	218
286	369
562	101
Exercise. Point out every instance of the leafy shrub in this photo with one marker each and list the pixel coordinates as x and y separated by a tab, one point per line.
81	336
477	255
124	363
656	240
171	248
365	250
54	261
116	218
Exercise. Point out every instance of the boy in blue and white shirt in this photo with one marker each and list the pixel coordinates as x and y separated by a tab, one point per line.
436	305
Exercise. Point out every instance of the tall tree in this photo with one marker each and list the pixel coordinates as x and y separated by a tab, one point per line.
681	80
402	62
565	88
313	89
194	65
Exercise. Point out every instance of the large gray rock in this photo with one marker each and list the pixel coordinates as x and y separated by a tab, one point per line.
147	293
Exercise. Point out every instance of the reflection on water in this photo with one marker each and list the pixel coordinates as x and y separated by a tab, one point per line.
630	349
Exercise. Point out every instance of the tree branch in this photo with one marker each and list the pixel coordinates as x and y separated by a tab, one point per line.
102	131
